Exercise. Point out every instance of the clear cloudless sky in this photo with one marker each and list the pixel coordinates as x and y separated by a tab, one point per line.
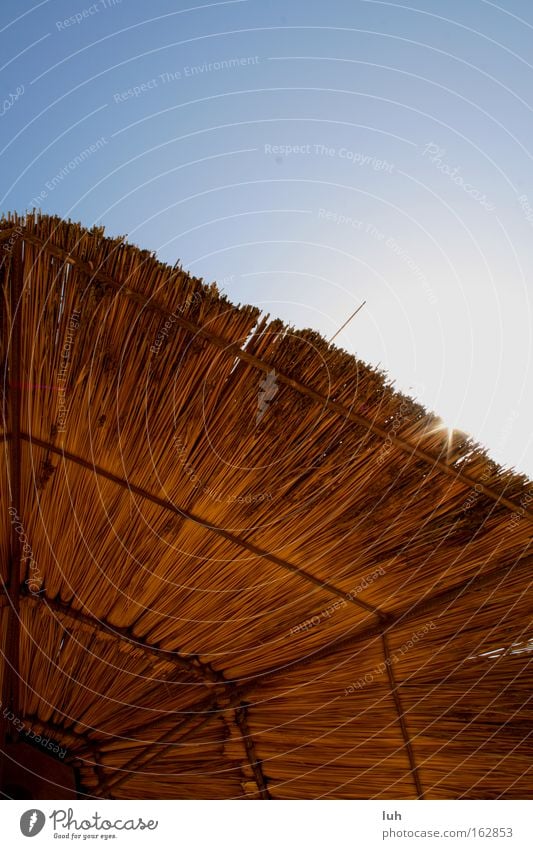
307	156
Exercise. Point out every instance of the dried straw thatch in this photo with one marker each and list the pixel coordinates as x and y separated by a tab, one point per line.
248	567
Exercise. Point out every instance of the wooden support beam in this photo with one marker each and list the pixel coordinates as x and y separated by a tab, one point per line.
200	671
241	718
99	772
432	605
162	745
233	349
387	621
154	726
435	603
192	517
401	717
235	694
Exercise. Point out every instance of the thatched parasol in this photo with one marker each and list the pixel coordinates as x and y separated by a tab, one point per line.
235	562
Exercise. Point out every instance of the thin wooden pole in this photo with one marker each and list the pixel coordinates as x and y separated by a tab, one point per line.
401	717
241	719
346	323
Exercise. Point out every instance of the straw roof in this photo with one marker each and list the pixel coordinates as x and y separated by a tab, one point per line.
248	567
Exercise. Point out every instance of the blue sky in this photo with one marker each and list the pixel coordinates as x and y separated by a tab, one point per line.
307	156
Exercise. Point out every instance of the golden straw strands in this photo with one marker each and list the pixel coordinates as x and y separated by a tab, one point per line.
240	577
